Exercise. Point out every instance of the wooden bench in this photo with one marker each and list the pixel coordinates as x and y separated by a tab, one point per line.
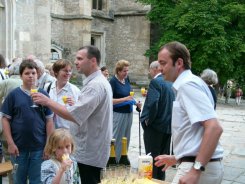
5	168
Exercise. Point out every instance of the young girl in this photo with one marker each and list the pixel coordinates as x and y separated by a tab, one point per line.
60	168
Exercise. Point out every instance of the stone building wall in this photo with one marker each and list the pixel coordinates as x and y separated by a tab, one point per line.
130	38
71	25
130	41
120	29
33	29
130	5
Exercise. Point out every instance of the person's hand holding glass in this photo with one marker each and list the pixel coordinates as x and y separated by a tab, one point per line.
68	100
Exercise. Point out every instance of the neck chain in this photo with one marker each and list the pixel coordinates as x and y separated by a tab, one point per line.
122	81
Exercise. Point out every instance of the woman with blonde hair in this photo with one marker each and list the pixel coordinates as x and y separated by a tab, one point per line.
122	105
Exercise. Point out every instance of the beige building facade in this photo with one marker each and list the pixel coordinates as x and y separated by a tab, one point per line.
53	29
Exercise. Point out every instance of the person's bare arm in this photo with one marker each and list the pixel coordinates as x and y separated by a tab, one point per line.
12	148
120	100
211	136
49	126
57	108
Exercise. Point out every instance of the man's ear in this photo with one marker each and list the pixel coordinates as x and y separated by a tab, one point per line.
180	63
93	59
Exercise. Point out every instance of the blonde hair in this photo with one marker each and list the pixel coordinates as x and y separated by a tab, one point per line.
120	65
58	136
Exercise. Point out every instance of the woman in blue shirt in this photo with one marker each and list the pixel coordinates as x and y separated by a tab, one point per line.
122	105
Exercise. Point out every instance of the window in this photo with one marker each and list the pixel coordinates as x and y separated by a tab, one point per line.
92	41
98	40
54	55
97	4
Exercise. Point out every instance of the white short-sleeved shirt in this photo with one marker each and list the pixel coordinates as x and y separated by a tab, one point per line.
2	74
193	105
93	113
68	90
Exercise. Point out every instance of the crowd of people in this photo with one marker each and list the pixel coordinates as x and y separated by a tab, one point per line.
53	130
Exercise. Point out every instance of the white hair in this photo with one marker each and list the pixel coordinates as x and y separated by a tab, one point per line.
14	68
209	76
154	64
40	65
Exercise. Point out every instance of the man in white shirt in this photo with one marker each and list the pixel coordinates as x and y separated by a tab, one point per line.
92	114
195	129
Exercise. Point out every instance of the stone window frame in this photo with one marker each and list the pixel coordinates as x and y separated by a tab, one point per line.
58	50
97	4
99	41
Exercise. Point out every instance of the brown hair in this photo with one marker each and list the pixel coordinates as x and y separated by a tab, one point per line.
120	65
58	136
178	50
60	64
2	61
92	51
27	63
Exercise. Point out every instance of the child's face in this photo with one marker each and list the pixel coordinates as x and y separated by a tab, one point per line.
63	148
29	77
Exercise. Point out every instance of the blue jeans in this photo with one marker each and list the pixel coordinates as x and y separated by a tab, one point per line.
29	166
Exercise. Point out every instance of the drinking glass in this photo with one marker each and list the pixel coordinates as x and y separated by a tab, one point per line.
131	92
142	90
64	98
6	72
34	90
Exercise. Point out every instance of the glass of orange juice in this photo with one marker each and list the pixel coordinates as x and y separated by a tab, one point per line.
6	71
64	98
34	90
142	90
131	93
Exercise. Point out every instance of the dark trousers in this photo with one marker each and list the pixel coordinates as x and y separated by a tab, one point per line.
89	174
156	143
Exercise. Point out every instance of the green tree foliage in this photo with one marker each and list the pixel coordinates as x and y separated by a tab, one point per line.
213	30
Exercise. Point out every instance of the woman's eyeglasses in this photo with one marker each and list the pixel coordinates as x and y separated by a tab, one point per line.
67	71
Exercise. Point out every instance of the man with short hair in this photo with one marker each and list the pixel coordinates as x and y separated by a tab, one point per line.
43	77
156	117
92	114
195	128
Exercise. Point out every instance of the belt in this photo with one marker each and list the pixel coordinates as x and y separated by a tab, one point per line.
192	159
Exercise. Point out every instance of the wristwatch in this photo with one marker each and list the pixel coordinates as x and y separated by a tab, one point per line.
198	166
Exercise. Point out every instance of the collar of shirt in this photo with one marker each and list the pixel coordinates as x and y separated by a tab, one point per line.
65	88
182	78
157	75
91	76
25	90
